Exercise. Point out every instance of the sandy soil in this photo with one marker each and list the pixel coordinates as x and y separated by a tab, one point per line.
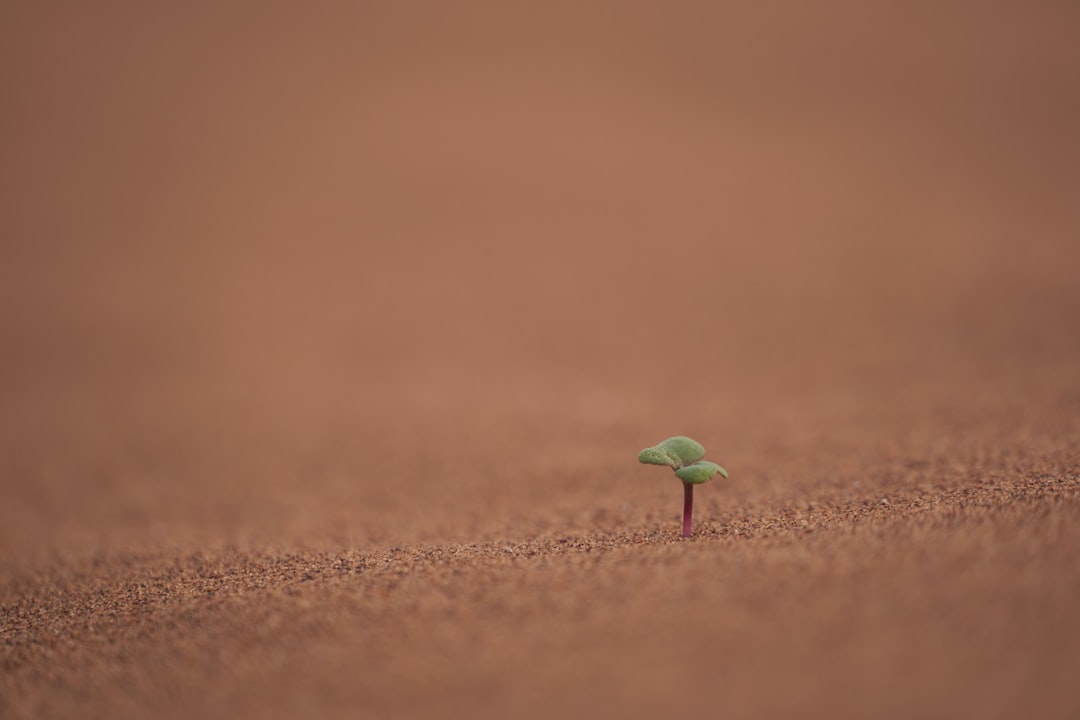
329	337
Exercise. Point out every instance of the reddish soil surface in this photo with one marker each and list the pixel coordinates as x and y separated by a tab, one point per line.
329	337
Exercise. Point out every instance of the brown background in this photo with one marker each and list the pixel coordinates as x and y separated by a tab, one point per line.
329	333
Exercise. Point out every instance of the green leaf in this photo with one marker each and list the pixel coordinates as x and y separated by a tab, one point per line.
656	456
700	472
685	450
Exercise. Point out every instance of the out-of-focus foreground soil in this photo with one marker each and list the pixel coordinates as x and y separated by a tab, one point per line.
329	334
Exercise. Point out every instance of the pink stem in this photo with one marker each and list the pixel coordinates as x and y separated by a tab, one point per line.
688	508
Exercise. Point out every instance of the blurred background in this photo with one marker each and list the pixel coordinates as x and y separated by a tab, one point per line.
372	273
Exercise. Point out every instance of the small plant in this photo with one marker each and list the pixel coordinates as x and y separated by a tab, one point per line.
683	455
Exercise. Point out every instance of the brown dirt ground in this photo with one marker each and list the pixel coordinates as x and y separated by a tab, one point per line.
329	336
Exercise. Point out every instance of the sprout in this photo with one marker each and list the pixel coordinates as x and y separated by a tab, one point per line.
683	455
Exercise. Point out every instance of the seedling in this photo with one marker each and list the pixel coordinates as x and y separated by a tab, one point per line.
683	455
